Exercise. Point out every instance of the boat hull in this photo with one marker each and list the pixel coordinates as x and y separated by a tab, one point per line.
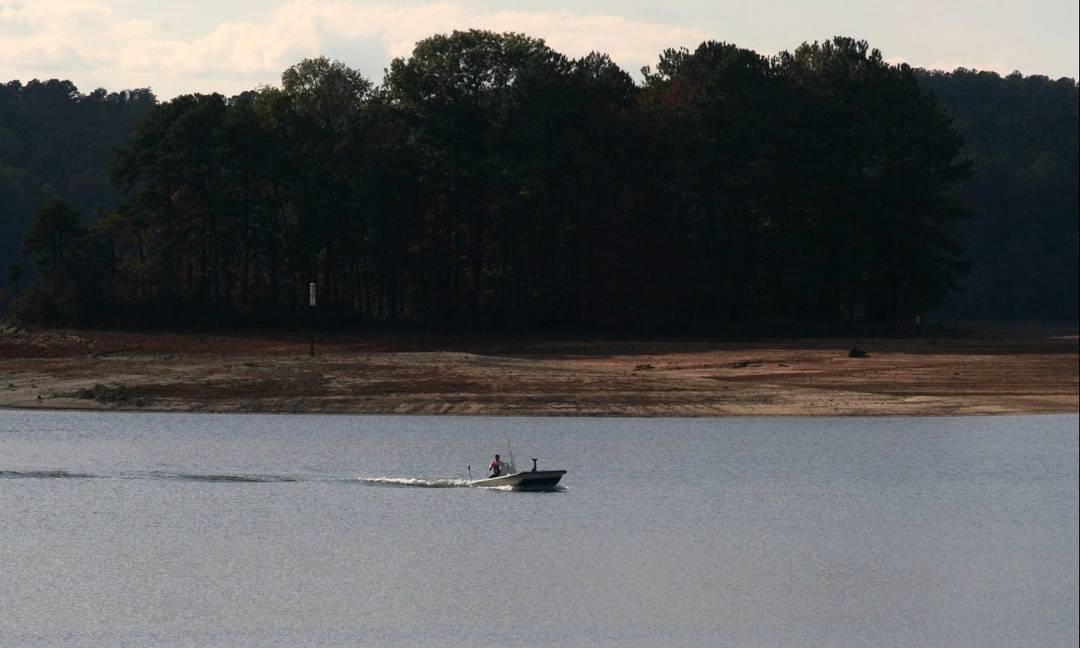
538	480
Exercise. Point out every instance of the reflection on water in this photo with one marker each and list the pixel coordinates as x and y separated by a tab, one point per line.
252	530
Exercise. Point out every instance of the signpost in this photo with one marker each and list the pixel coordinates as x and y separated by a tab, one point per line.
311	304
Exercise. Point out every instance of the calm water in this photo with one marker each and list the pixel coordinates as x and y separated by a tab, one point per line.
251	530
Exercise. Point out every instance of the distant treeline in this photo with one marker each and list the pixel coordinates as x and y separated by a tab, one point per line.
57	143
490	181
1022	137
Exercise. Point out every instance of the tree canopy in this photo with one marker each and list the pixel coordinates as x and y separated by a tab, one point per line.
1021	135
490	181
57	143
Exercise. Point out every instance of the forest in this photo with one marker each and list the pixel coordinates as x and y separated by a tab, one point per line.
490	182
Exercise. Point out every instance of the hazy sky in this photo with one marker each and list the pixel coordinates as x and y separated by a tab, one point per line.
233	45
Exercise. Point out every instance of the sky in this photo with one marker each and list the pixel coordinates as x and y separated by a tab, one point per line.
229	46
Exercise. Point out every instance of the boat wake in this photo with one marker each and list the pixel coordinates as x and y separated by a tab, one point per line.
43	474
170	476
253	479
248	478
417	482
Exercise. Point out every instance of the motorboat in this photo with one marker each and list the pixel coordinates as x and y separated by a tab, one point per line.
527	480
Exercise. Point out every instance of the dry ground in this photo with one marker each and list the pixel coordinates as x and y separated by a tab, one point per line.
989	373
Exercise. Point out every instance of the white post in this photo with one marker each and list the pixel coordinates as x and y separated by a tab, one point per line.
311	305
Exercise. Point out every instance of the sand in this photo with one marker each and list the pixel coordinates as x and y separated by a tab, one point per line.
991	372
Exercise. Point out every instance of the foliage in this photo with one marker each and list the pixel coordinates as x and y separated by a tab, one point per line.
57	143
490	181
68	262
1021	135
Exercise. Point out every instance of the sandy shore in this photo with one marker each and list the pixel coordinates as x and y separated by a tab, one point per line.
992	373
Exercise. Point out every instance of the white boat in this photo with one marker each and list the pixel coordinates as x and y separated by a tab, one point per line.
527	480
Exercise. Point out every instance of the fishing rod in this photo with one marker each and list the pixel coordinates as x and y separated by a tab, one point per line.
510	451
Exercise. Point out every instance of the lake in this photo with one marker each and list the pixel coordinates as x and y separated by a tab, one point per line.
141	529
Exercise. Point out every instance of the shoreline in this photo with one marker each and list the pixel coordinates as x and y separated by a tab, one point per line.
202	412
1001	373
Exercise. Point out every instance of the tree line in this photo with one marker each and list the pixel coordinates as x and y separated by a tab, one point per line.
57	143
489	181
1022	136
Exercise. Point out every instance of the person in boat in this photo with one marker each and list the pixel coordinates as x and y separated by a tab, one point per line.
496	467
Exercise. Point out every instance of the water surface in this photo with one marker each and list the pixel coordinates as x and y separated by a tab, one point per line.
254	530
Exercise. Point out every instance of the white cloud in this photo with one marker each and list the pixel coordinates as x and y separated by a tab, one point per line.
87	41
949	66
38	32
631	43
